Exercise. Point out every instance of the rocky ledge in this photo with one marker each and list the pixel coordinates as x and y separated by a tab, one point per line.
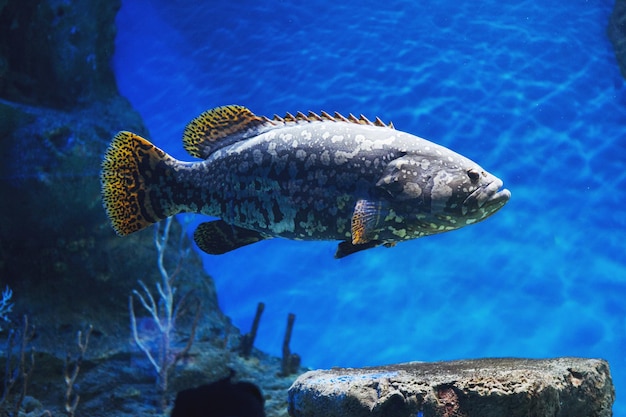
563	387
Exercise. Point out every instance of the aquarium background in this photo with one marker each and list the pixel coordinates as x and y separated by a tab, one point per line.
530	91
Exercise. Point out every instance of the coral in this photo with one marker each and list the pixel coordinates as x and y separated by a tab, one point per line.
165	312
19	370
6	306
72	368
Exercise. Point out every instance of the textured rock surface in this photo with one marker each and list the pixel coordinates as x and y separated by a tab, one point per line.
564	387
55	52
616	31
59	108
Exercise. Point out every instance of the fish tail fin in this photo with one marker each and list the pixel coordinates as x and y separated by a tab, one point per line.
133	172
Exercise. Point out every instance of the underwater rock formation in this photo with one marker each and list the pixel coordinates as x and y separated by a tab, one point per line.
616	31
57	115
57	53
59	109
562	387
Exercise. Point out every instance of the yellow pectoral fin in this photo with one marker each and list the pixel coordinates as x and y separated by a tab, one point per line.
365	220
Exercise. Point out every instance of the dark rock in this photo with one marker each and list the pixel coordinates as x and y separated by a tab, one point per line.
616	31
563	387
222	398
57	53
59	108
57	250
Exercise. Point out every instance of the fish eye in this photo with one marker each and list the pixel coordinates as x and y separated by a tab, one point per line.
473	174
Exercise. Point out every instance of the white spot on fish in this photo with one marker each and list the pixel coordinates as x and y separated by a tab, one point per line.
301	154
271	149
310	161
341	157
257	156
366	145
441	190
379	144
325	157
412	189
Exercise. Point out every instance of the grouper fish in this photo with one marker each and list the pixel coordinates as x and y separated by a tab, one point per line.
301	177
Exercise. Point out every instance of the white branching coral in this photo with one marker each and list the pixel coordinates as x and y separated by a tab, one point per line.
164	312
6	306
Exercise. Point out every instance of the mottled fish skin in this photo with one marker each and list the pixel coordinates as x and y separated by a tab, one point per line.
307	179
303	181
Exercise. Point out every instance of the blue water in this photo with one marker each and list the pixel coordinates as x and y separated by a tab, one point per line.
531	92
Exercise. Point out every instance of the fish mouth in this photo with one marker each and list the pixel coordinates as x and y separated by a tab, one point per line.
490	196
499	196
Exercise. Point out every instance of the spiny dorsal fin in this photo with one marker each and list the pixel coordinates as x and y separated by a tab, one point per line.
314	116
223	126
327	116
219	127
336	117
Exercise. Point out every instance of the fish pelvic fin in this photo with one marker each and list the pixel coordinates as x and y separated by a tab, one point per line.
346	248
218	237
130	180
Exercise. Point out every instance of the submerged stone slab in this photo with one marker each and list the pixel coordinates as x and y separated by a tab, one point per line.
562	387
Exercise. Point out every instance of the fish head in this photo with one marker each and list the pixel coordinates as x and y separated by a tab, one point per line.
429	195
467	194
